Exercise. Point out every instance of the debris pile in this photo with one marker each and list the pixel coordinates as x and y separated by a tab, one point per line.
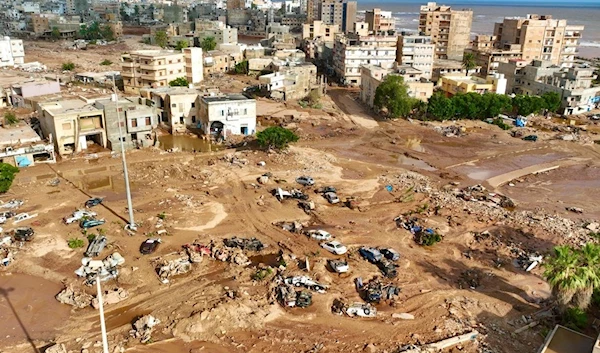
104	270
374	291
479	193
143	327
450	131
288	297
76	298
173	265
251	244
234	159
111	297
293	227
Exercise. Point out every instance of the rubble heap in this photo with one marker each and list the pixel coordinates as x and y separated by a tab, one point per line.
143	327
76	298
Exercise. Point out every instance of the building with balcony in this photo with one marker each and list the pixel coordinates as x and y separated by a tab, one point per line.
372	75
227	114
380	21
222	33
443	67
72	125
353	51
317	29
540	37
450	29
573	84
11	52
416	51
452	85
291	81
179	107
338	12
156	68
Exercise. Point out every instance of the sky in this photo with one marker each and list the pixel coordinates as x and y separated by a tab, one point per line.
545	3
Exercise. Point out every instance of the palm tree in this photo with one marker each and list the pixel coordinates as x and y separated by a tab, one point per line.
588	272
468	62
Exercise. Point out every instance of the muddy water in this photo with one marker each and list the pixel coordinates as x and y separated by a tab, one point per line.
416	163
178	346
31	299
186	143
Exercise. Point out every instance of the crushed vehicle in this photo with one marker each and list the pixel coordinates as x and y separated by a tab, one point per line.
286	295
334	247
23	217
307	282
305	180
303	299
96	246
173	265
149	246
12	204
294	227
7	214
375	291
370	254
93	202
361	309
325	189
479	193
388	268
339	266
78	215
91	223
532	138
103	270
318	234
23	234
251	244
331	197
281	194
306	206
390	254
2	219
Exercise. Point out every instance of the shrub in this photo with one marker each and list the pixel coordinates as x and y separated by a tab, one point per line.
575	319
426	238
68	66
276	137
179	82
106	62
10	118
7	175
162	216
501	124
75	243
262	273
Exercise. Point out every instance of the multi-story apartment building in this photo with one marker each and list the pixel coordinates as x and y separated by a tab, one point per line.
291	81
179	106
380	21
227	114
338	12
574	84
372	75
416	51
450	30
11	52
222	33
317	29
156	68
353	51
540	38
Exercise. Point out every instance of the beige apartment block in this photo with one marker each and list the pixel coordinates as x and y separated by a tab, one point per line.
152	68
338	12
318	29
416	51
541	38
450	30
380	21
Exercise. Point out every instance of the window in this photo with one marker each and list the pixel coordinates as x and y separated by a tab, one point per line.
181	120
173	105
133	122
193	118
193	104
148	121
66	126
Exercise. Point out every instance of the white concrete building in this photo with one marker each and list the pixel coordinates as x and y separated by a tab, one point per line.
416	51
11	52
228	114
194	71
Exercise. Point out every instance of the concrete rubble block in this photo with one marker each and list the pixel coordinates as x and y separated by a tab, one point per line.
111	297
76	298
403	316
143	328
56	348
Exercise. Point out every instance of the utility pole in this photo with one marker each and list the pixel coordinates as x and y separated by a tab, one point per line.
102	323
131	225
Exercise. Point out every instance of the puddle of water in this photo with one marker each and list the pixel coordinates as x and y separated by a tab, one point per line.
266	259
32	299
481	175
123	316
114	183
417	163
45	176
186	143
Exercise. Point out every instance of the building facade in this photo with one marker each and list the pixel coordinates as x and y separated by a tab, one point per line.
224	115
11	52
317	29
450	30
380	21
338	12
416	51
453	85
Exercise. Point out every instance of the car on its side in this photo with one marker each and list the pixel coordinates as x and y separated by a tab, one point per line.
23	234
91	223
362	310
305	180
78	215
334	247
149	246
93	202
319	234
370	254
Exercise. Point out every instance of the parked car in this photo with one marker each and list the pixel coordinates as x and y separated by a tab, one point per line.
390	254
388	268
362	310
7	214
91	223
339	266
93	202
331	197
23	234
23	217
96	246
305	180
595	117
370	254
12	204
149	246
78	215
532	138
334	247
319	234
307	282
325	189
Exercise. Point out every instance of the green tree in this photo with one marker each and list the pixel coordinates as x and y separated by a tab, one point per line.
68	66
552	101
440	107
10	118
208	44
573	274
495	104
468	62
276	137
392	94
161	38
525	105
181	44
107	33
55	33
468	106
179	82
241	68
136	11
105	62
7	175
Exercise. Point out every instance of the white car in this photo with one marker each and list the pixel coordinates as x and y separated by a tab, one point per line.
12	204
319	234
334	247
2	219
339	266
22	217
78	215
331	197
362	310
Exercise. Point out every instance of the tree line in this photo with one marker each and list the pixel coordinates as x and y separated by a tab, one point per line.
393	98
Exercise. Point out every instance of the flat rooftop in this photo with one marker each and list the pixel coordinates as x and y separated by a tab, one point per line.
466	79
153	53
564	340
226	97
69	106
10	136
